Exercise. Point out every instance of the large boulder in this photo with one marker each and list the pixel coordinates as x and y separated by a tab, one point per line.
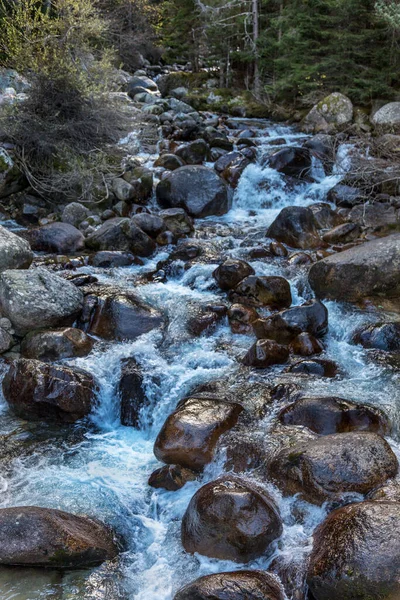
356	554
372	269
131	392
327	415
330	114
231	272
113	314
333	465
15	253
387	117
42	537
292	161
190	434
38	299
296	227
230	520
239	585
121	234
56	344
61	238
37	390
285	326
266	290
141	83
197	189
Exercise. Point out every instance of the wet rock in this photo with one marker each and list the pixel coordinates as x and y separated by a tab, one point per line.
74	213
270	291
194	153
227	160
342	234
230	520
112	259
306	344
60	238
345	196
121	234
171	477
153	225
278	249
241	318
233	172
197	189
239	585
382	336
389	492
372	269
56	344
330	114
38	299
118	315
326	415
324	216
317	367
328	467
296	227
356	553
206	318
265	353
177	221
292	161
42	537
231	272
169	162
190	434
37	390
284	327
131	392
15	253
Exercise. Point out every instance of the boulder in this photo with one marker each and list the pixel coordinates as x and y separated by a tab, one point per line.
6	340
306	344
131	392
284	327
356	554
56	344
112	259
227	160
330	114
330	466
317	366
190	434
231	272
177	221
169	162
345	196
327	415
197	189
171	477
342	234
38	299
265	353
292	161
42	537
241	318
37	390
387	117
239	585
60	238
114	314
153	225
369	270
296	227
377	216
324	216
74	213
194	153
267	290
15	253
381	336
139	84
230	520
121	234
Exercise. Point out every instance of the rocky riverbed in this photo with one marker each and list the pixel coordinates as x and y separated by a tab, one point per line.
200	379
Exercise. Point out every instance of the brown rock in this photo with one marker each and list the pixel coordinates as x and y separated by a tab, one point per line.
270	291
239	585
241	318
296	227
342	234
131	392
171	477
284	327
317	366
306	344
265	353
56	344
231	272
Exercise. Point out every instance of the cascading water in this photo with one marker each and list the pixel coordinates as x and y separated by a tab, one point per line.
103	472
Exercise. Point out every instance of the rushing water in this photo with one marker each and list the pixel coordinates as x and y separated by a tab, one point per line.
102	470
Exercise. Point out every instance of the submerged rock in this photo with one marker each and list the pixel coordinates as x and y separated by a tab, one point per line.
230	520
239	585
42	537
56	344
296	227
190	434
372	269
333	465
15	253
39	391
197	189
356	554
37	299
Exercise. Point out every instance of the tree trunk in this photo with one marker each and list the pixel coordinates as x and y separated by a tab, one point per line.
256	33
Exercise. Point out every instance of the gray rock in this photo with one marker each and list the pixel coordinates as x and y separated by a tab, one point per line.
60	238
56	344
387	116
121	234
112	259
15	253
330	114
38	299
74	213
